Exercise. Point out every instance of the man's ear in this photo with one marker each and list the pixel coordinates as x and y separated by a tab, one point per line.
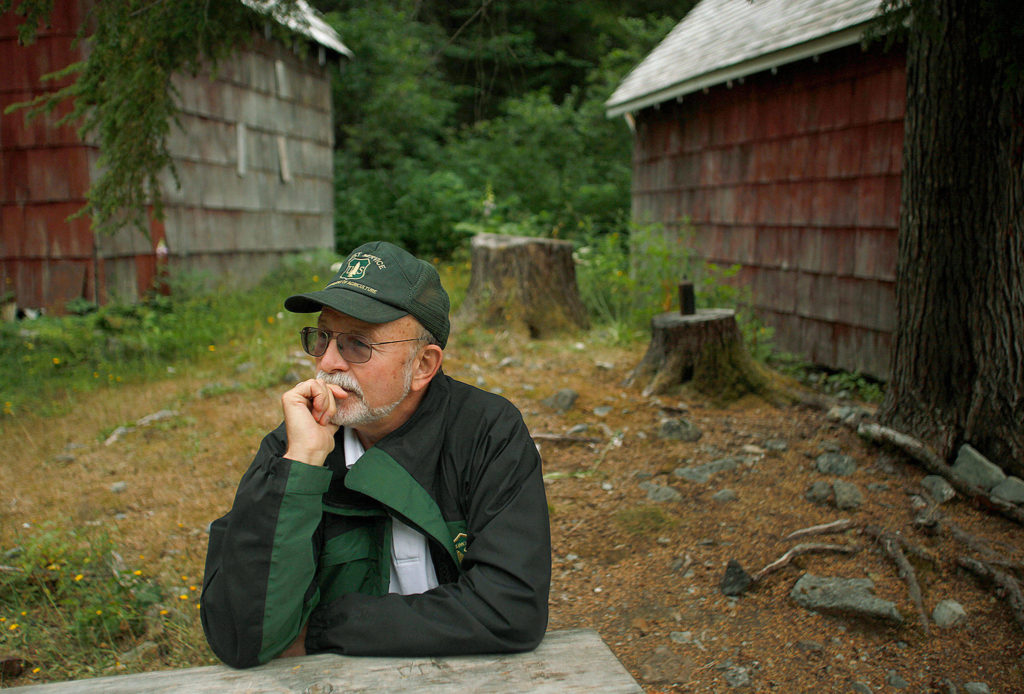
428	363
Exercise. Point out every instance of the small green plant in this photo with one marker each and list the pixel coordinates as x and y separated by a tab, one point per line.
69	603
644	520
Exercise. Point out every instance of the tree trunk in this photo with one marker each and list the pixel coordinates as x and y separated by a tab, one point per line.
524	284
958	367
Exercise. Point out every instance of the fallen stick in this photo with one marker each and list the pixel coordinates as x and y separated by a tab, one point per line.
937	466
803	548
1006	586
823	529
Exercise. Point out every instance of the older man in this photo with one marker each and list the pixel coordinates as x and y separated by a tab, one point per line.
395	511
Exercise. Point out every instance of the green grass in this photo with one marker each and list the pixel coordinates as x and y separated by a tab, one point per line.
70	603
43	362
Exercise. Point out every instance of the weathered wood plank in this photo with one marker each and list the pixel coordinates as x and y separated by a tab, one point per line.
566	661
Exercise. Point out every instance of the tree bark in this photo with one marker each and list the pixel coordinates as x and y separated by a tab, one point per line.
524	284
958	367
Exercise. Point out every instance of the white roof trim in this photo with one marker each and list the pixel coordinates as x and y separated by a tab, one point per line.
823	44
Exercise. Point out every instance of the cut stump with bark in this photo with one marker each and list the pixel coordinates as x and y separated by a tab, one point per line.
523	284
703	349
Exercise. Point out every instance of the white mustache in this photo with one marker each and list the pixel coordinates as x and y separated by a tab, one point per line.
342	379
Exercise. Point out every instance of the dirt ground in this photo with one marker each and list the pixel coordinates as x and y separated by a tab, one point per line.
645	574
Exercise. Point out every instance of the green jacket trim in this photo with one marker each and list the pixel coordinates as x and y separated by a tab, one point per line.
379	476
298	518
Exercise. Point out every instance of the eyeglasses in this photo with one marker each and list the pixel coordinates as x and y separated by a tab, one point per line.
353	349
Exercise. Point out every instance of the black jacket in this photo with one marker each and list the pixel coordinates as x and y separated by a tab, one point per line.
308	543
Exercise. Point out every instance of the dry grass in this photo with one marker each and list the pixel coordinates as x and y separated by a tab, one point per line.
634	570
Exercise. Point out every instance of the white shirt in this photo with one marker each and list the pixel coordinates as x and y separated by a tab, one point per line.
412	571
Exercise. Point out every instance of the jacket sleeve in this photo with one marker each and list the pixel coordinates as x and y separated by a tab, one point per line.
259	584
500	601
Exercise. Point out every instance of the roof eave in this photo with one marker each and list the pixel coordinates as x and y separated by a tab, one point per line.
823	44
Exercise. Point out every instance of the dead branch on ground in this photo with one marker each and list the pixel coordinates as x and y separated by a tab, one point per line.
837	526
796	551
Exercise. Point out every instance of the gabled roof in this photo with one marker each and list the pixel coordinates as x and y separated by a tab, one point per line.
304	20
722	40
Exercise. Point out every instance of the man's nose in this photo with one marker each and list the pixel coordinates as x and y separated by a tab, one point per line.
331	360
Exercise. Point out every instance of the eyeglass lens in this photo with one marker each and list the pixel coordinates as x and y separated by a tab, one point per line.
353	348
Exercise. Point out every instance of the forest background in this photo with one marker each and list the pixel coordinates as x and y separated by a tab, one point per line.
455	118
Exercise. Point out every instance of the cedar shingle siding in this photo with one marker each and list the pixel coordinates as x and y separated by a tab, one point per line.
254	162
793	173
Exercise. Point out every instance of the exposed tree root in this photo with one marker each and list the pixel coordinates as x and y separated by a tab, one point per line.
891	545
937	466
1006	586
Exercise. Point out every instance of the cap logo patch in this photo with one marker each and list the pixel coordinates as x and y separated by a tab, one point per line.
356	268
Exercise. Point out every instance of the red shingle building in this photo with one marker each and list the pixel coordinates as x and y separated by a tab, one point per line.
254	161
771	132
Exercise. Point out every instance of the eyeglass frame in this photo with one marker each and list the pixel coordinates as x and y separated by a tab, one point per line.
336	337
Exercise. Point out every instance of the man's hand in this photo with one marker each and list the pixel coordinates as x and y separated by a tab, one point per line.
308	409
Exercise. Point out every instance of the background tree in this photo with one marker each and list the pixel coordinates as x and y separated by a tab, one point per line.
958	365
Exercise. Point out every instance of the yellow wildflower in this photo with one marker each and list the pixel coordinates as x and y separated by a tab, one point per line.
137	572
99	612
56	361
163	612
79	577
212	348
183	596
13	627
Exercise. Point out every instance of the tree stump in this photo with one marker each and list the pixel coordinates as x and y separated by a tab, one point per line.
524	284
703	349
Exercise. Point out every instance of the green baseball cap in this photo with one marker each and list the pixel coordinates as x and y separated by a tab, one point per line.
378	283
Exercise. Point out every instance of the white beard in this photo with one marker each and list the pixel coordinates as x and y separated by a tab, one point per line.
357	412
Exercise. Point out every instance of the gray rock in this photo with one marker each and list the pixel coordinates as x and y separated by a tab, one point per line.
702	473
724	496
938	488
656	492
836	464
895	681
602	410
947	686
974	468
736	580
1011	489
679	429
859	687
976	688
737	677
561	401
810	646
843	597
776	445
577	429
819	492
118	487
948	613
848	495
